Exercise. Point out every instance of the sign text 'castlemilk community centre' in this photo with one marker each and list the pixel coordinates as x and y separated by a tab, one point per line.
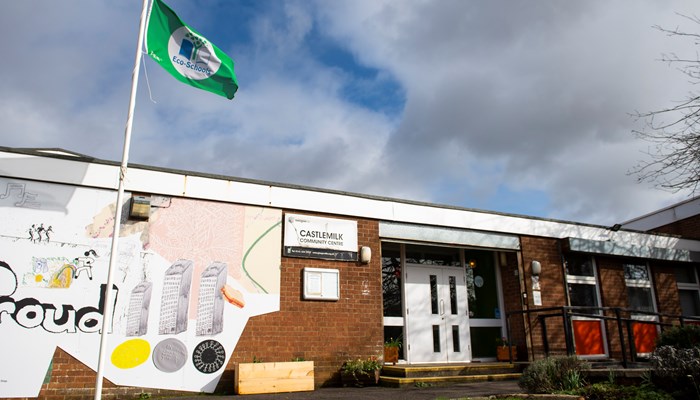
323	238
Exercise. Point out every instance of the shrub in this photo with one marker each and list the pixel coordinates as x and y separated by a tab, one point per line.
362	366
608	391
677	370
553	374
680	337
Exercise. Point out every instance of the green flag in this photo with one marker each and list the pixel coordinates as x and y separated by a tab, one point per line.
186	54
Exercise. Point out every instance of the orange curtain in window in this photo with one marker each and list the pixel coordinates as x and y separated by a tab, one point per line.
644	337
588	337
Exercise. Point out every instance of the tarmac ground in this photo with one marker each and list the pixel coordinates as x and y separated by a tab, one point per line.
456	391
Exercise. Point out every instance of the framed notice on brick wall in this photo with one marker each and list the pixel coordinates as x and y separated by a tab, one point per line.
322	238
321	284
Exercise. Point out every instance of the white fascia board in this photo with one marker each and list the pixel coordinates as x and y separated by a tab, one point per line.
434	215
84	173
331	203
665	216
72	172
650	222
447	235
618	249
226	190
156	182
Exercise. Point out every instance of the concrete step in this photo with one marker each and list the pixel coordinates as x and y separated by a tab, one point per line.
447	370
397	382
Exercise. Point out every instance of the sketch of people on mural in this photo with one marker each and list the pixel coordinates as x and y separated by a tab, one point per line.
38	234
84	263
32	229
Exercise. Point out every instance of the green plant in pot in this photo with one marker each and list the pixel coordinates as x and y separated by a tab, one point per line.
361	371
391	350
504	351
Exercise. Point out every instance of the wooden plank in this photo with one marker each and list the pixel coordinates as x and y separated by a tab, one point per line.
277	377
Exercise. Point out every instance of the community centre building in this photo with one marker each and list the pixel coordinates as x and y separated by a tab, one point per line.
215	271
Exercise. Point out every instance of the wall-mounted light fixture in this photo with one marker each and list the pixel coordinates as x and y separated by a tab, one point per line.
365	254
536	267
502	258
472	264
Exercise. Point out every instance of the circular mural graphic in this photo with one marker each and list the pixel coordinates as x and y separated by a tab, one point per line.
131	353
170	355
209	356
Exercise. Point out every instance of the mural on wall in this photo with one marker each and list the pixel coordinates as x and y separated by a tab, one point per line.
186	281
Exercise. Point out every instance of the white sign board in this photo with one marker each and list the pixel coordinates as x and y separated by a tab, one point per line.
537	297
324	238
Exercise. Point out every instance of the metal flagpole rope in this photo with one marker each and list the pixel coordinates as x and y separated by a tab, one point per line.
108	306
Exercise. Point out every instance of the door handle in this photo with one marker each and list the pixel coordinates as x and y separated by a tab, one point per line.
442	307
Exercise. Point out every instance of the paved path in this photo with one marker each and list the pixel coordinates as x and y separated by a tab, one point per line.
458	391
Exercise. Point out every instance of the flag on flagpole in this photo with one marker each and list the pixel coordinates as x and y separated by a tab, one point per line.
187	55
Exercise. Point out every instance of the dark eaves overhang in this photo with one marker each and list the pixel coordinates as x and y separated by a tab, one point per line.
626	250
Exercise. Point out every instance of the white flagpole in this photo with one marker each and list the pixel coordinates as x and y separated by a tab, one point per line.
108	306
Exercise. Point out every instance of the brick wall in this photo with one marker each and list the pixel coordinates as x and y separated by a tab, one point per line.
327	333
548	253
613	292
664	281
689	228
71	379
512	301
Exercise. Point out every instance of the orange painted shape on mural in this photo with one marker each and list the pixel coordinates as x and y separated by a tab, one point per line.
644	337
233	296
588	337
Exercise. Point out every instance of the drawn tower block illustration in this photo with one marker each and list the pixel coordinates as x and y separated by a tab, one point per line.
137	314
210	307
174	302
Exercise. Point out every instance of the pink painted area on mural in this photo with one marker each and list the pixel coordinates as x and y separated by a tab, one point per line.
201	231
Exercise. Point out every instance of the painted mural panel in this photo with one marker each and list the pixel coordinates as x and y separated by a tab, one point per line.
186	282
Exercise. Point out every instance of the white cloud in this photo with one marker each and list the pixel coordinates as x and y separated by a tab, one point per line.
471	101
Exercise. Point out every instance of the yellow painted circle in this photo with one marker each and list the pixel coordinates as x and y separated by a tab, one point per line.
131	353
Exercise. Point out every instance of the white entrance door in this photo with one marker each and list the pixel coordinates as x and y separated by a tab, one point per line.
437	315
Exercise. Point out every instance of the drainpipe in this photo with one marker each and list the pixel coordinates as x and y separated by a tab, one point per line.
525	302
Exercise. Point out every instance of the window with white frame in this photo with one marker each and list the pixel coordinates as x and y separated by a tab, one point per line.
688	289
581	282
639	289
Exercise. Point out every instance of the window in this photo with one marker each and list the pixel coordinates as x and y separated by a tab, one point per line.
391	279
688	289
581	282
638	282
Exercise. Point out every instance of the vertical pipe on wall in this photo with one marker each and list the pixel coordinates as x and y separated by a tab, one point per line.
526	305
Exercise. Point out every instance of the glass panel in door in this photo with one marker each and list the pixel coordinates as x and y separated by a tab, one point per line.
485	317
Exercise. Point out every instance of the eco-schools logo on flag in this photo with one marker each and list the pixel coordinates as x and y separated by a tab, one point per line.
192	55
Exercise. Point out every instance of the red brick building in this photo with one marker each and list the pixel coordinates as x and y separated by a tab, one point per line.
450	282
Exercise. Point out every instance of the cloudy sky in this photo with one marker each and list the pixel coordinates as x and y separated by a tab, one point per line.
512	106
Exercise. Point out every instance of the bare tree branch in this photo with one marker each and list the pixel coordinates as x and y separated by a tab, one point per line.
673	157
